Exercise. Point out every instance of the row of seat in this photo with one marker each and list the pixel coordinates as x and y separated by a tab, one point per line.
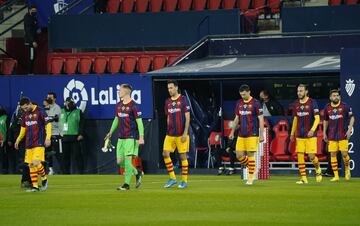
282	149
343	2
100	64
7	66
141	6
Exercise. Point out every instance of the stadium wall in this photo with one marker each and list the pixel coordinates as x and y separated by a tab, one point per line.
321	18
140	29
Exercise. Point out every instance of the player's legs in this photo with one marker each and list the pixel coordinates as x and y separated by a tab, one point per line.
241	152
251	146
120	155
300	149
35	157
127	149
343	147
333	148
169	147
311	150
184	170
183	149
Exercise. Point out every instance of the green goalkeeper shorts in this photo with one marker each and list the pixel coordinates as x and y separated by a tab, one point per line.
126	147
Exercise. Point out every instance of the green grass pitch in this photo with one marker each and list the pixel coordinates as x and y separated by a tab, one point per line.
209	200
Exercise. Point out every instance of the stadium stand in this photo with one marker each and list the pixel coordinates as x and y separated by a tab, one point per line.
109	62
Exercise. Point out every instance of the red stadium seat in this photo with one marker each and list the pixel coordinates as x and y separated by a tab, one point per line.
100	64
214	4
214	141
199	5
56	65
114	64
320	144
274	6
113	6
228	124
156	5
143	64
351	2
243	5
171	59
129	64
259	6
279	144
185	5
170	5
158	62
334	2
8	66
228	4
85	65
71	64
141	6
127	6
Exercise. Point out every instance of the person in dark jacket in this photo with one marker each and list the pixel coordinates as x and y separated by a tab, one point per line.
228	152
270	106
30	27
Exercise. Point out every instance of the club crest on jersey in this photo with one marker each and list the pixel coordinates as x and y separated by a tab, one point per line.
127	108
178	103
307	107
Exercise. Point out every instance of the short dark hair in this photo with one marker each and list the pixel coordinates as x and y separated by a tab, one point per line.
266	92
127	86
53	94
306	87
334	91
244	88
173	82
24	100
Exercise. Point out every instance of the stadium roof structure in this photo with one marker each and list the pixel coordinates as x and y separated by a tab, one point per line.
244	56
284	64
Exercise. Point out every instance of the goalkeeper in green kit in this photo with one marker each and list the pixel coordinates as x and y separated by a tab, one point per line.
130	129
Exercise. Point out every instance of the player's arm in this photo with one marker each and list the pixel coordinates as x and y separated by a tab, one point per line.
351	125
114	125
325	124
235	123
20	137
293	128
316	123
187	126
140	125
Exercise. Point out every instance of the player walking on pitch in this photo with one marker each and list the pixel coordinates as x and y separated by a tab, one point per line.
37	132
130	128
249	116
178	122
338	123
304	127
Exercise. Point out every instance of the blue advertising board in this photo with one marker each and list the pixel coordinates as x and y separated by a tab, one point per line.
350	87
95	95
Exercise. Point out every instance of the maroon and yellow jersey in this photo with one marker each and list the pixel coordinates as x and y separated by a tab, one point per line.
34	123
305	113
127	115
175	111
338	118
248	113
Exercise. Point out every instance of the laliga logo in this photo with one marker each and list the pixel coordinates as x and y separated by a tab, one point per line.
75	90
350	87
59	5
